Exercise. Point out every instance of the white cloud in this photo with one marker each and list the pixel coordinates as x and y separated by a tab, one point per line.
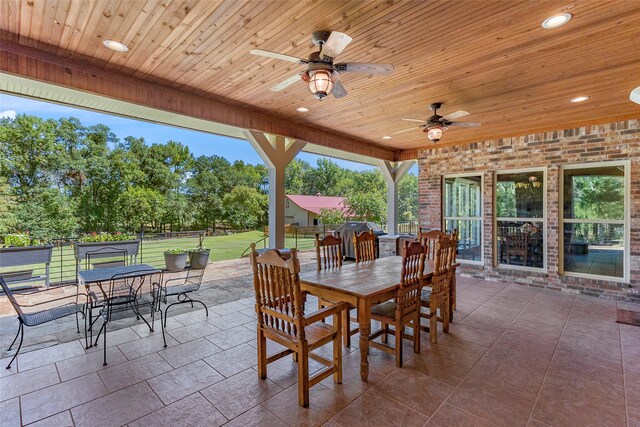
8	114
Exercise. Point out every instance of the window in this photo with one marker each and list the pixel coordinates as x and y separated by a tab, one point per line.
521	218
462	206
595	224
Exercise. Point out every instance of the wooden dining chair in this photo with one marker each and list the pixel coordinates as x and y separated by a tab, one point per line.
329	256
517	245
328	252
429	239
405	309
435	295
281	318
364	245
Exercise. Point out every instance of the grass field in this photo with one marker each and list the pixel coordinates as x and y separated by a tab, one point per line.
151	252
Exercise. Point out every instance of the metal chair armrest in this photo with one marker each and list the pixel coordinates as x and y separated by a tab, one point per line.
47	301
331	310
41	291
177	279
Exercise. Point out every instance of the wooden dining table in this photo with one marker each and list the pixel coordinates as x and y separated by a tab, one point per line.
360	285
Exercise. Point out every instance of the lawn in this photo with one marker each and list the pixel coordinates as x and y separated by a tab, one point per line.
224	247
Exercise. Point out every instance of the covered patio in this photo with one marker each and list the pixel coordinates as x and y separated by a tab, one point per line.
514	355
542	185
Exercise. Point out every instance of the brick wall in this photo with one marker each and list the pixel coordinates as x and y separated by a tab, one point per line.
614	141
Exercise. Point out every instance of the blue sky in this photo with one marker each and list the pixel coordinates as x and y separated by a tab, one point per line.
200	143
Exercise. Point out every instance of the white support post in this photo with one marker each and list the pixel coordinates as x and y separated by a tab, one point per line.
393	172
276	152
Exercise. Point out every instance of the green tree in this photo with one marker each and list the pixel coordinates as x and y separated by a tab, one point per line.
408	198
7	207
245	208
47	215
367	207
142	207
30	155
205	189
295	176
324	178
331	216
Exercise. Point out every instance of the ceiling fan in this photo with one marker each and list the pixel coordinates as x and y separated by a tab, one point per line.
322	75
435	125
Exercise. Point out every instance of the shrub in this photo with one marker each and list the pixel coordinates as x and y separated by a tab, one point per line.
19	239
175	251
105	237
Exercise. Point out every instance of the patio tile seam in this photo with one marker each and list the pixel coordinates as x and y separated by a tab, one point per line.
480	358
555	351
401	403
69	408
47	417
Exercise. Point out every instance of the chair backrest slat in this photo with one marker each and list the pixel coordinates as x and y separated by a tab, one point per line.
365	246
276	283
328	252
413	257
444	258
429	239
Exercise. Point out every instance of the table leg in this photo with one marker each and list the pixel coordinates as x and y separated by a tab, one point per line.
87	323
364	321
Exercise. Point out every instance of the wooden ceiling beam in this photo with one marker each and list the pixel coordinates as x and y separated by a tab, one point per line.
77	74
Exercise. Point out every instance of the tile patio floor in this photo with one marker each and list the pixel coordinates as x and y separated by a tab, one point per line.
514	356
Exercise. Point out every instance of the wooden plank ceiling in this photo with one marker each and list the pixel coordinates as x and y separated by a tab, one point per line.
491	58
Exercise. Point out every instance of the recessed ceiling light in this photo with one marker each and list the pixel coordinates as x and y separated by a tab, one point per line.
556	21
635	95
386	137
115	45
579	99
302	109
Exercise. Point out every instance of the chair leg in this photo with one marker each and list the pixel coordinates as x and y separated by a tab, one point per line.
445	315
104	344
21	330
385	333
303	375
337	349
433	320
16	337
262	355
162	323
398	335
346	325
416	333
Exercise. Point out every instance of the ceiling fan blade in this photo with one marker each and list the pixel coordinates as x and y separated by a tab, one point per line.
364	67
338	90
276	55
456	115
334	45
407	130
283	84
465	124
413	120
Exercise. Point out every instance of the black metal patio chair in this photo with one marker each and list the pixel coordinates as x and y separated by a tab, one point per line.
180	287
38	317
125	292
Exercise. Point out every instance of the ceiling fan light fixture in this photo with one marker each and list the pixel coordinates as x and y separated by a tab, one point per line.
319	82
434	133
556	21
115	45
